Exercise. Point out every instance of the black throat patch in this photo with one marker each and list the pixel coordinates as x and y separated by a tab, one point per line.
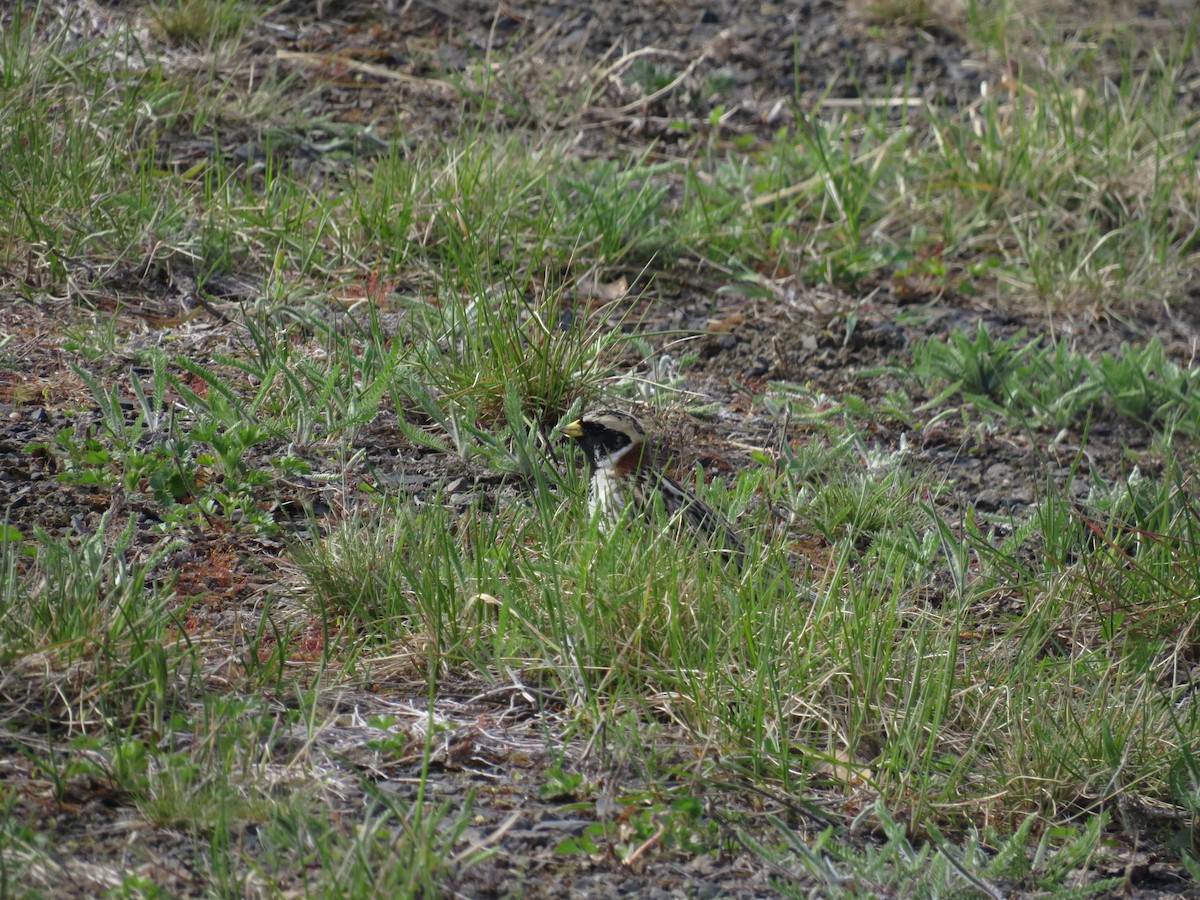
599	441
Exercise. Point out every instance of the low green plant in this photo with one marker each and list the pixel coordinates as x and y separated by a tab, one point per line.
195	472
979	366
1185	786
655	824
561	784
1059	386
1145	386
661	378
987	864
19	843
841	487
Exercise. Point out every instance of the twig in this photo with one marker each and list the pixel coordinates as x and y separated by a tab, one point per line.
357	65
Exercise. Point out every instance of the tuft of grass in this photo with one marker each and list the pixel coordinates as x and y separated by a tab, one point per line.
403	578
202	24
914	13
85	602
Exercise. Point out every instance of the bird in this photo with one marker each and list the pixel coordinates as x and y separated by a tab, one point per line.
623	473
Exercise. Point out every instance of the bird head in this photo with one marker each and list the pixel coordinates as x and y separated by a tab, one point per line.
608	437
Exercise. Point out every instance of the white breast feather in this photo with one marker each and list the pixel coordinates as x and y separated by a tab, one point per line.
603	500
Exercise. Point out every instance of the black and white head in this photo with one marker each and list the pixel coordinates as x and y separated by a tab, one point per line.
611	440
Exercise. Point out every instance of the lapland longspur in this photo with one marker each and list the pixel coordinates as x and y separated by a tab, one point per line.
623	472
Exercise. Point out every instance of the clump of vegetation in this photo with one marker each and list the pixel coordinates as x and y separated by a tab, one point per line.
202	23
1054	384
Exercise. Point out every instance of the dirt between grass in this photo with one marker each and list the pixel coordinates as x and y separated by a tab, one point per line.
495	746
